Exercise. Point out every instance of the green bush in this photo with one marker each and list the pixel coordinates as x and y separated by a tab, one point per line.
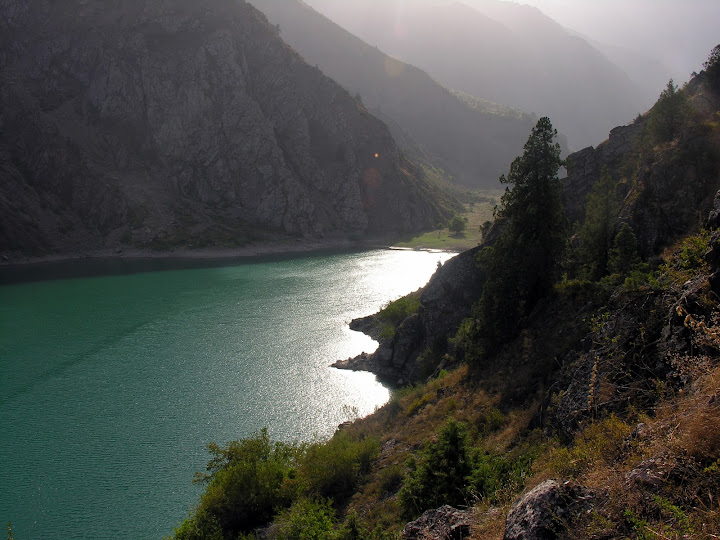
334	469
457	224
624	254
495	476
307	519
398	310
441	475
693	251
391	478
245	485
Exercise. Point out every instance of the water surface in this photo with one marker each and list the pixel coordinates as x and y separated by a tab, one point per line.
113	385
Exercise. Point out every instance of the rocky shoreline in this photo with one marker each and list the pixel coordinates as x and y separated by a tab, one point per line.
444	302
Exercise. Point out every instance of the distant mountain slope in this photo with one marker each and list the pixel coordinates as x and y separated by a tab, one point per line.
182	123
475	144
501	51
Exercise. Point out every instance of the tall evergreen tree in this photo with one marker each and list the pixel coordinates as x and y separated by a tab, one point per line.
624	254
597	232
522	265
712	68
669	114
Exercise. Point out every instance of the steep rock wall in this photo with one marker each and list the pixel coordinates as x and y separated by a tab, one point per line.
154	119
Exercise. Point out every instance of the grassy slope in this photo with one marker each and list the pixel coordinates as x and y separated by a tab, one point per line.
477	208
678	423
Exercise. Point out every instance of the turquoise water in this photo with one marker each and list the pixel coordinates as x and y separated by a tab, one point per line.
112	386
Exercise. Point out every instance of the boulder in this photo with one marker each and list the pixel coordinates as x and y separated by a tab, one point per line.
714	217
544	512
444	523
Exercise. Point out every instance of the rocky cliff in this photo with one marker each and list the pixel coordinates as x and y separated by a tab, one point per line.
664	187
159	123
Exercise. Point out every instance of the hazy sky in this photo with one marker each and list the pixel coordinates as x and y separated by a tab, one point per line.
676	33
680	33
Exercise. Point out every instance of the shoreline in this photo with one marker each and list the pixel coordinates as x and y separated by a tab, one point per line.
182	253
265	249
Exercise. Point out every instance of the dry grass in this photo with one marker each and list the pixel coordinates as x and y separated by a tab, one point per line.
489	522
411	420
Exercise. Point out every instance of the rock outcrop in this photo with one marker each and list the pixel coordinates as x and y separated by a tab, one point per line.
663	188
585	167
544	512
161	122
445	523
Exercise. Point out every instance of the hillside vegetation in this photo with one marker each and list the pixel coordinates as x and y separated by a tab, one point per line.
577	398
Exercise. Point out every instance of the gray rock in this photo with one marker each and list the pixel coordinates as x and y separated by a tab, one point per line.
714	217
543	512
585	167
445	523
651	473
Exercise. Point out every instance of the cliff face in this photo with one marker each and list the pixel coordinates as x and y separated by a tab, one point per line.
156	121
664	188
585	167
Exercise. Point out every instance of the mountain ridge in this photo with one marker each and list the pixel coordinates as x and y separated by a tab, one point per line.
536	66
472	144
156	124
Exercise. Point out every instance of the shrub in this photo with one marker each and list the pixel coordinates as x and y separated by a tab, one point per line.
398	310
245	485
693	251
624	254
391	478
306	519
599	442
334	469
441	476
457	224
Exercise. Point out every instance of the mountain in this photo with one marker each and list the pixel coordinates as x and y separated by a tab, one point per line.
162	124
473	141
501	51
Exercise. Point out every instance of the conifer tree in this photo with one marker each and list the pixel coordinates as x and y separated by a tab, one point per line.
522	265
624	254
669	114
596	234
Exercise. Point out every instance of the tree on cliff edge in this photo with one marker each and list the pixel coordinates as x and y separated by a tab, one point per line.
522	265
712	68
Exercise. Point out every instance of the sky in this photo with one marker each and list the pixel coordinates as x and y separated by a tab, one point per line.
679	33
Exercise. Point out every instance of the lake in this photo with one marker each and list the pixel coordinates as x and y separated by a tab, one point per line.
113	385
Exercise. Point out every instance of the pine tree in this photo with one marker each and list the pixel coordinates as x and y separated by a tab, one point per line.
523	264
669	114
596	234
624	254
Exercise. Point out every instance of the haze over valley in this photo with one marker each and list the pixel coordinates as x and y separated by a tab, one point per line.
359	269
